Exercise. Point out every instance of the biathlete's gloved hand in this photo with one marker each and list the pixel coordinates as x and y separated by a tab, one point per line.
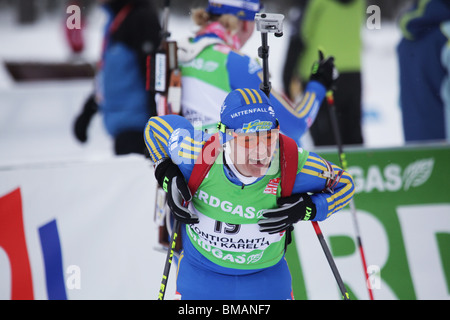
324	71
84	118
171	179
291	210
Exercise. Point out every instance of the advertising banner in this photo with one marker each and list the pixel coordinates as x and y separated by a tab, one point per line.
86	230
79	230
403	212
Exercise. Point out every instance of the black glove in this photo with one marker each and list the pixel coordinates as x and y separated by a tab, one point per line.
171	179
324	71
291	210
84	118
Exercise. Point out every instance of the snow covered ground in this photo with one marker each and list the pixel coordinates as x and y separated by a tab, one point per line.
36	118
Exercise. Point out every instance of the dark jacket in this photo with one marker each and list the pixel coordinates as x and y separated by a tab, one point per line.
132	34
424	55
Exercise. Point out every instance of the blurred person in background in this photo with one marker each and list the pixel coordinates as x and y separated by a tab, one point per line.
212	66
334	26
424	64
132	34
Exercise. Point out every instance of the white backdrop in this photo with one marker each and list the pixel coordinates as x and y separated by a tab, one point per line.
104	216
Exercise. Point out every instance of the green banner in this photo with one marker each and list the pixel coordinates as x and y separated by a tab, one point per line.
403	212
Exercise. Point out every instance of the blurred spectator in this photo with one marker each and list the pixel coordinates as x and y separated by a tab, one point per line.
27	11
132	34
212	66
334	26
424	64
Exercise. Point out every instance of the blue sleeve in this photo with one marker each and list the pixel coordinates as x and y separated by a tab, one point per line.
445	86
294	121
243	72
174	137
312	178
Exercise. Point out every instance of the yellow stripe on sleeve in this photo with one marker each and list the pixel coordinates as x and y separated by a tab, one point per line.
153	149
316	165
309	105
162	149
165	124
161	139
186	146
187	155
192	141
303	102
332	206
312	173
161	130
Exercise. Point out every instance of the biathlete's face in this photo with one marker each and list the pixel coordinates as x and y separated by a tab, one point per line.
252	152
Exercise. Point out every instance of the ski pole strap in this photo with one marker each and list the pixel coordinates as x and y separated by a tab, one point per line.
332	177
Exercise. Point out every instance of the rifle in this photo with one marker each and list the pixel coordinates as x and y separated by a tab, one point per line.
167	75
166	83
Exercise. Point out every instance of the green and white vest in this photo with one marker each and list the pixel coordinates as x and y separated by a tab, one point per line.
227	233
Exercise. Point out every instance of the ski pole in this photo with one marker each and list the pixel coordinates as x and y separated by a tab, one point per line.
168	263
330	259
161	87
343	161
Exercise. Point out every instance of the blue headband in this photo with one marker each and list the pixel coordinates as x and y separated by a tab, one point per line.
243	9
